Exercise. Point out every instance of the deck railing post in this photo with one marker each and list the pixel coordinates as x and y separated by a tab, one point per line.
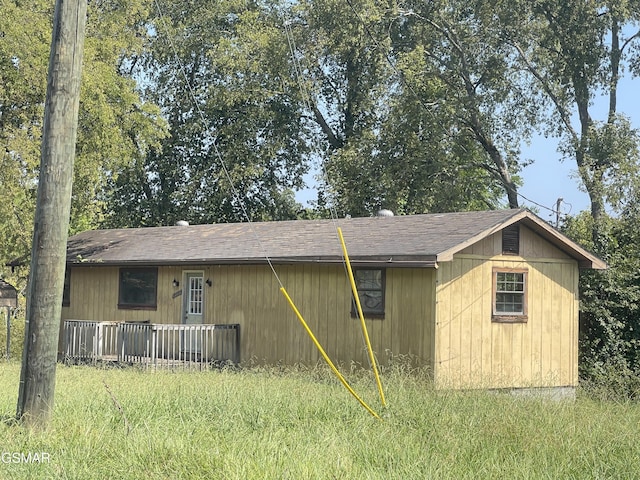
67	339
98	341
147	350
120	342
237	352
154	351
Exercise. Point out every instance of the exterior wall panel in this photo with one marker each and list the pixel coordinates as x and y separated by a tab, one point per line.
472	351
269	330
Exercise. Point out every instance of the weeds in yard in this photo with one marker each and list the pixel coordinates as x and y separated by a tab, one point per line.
266	423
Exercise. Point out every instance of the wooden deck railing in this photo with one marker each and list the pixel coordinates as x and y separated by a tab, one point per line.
155	345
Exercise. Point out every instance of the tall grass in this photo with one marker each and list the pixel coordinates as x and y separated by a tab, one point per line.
16	339
272	423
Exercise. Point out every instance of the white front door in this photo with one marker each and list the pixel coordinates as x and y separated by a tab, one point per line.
193	308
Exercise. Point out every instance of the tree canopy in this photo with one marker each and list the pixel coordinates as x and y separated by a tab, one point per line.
219	73
115	124
215	111
575	51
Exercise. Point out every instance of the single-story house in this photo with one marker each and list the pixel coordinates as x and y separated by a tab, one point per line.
484	299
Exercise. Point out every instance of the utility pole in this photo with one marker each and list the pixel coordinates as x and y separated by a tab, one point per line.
558	205
51	224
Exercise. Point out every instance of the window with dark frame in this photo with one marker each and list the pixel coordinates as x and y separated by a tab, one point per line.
509	295
66	292
138	288
371	285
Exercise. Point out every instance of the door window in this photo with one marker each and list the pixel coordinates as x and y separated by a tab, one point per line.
194	306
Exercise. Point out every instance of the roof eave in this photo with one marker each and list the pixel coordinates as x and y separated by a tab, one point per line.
586	260
447	255
369	261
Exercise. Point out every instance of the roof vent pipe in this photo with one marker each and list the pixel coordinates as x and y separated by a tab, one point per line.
384	213
182	223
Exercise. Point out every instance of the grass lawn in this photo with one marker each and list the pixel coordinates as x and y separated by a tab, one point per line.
302	424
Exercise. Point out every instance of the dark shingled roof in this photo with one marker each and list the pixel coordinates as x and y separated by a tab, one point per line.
405	240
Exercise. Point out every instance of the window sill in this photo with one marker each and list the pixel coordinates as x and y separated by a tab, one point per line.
509	318
368	316
136	307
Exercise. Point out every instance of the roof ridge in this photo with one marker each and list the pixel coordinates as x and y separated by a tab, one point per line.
314	220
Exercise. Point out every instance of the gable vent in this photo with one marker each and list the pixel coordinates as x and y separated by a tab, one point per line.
511	240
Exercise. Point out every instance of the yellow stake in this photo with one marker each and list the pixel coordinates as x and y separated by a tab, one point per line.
325	356
356	297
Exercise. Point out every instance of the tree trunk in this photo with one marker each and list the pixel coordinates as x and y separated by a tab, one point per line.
51	225
499	167
505	176
615	55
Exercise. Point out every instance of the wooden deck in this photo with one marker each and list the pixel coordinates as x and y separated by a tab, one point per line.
151	345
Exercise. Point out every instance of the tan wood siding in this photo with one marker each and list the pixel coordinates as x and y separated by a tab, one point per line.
473	351
269	330
94	296
532	246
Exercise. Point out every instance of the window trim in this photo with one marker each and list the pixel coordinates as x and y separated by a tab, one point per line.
66	289
138	306
511	317
377	314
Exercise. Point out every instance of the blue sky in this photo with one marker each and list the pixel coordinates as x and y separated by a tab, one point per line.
548	178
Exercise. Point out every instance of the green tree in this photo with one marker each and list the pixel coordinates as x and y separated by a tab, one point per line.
574	52
220	73
115	125
25	33
386	125
609	303
483	99
343	79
